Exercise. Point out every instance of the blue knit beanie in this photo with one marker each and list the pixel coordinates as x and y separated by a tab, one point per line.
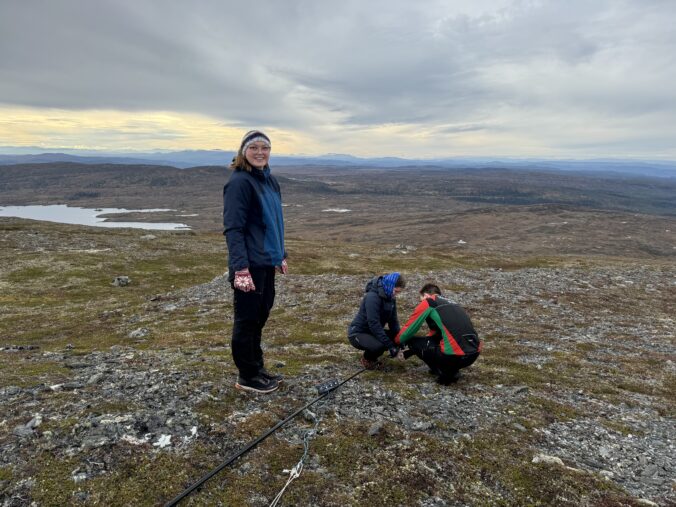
389	281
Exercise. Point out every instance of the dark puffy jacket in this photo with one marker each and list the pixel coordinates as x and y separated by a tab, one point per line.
252	220
376	310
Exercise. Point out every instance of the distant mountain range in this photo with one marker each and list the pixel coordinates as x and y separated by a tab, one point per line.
194	158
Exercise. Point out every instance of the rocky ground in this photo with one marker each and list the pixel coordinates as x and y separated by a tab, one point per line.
123	395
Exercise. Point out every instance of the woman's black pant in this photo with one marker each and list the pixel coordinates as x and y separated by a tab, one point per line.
251	313
373	348
427	349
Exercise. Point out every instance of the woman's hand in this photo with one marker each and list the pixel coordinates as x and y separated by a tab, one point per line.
283	268
243	280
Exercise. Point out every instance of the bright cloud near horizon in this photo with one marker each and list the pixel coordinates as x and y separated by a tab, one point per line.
513	78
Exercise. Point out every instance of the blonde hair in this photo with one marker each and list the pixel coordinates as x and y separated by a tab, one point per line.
240	162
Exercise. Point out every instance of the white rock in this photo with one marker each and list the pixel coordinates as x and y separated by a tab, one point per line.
548	460
164	441
133	440
35	422
79	477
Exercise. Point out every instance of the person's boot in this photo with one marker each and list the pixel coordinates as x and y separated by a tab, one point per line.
446	379
370	365
270	376
257	384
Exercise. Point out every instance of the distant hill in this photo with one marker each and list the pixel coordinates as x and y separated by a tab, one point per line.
49	158
193	158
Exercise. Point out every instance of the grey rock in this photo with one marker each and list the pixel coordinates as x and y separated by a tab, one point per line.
71	386
23	431
10	391
95	379
35	422
422	425
77	365
139	333
121	281
309	416
93	441
81	496
375	429
435	501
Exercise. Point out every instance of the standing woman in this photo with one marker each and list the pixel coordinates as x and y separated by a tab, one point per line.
254	232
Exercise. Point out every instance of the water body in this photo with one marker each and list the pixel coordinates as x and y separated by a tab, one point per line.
86	216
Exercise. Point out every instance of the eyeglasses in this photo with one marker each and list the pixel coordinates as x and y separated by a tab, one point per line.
256	149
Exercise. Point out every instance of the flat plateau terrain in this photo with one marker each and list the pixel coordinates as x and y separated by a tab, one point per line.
124	395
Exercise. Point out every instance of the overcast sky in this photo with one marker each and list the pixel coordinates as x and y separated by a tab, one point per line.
519	78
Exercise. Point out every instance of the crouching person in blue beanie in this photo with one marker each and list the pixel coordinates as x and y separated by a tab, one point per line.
378	309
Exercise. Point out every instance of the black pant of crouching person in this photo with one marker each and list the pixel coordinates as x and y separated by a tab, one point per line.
447	367
372	347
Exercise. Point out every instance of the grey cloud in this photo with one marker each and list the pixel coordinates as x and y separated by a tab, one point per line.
306	64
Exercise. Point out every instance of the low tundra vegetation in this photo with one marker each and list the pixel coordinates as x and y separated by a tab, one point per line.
548	360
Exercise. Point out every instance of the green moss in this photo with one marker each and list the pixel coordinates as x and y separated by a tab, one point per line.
619	427
6	473
143	479
53	480
112	407
296	332
27	274
214	410
546	411
512	372
635	387
28	372
533	481
504	461
61	425
586	347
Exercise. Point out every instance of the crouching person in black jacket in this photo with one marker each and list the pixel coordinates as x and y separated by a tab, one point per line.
452	343
378	309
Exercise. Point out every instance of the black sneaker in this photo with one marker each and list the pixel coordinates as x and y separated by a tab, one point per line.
257	384
445	380
370	365
270	376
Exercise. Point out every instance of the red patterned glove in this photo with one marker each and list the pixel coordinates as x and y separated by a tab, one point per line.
243	280
283	268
